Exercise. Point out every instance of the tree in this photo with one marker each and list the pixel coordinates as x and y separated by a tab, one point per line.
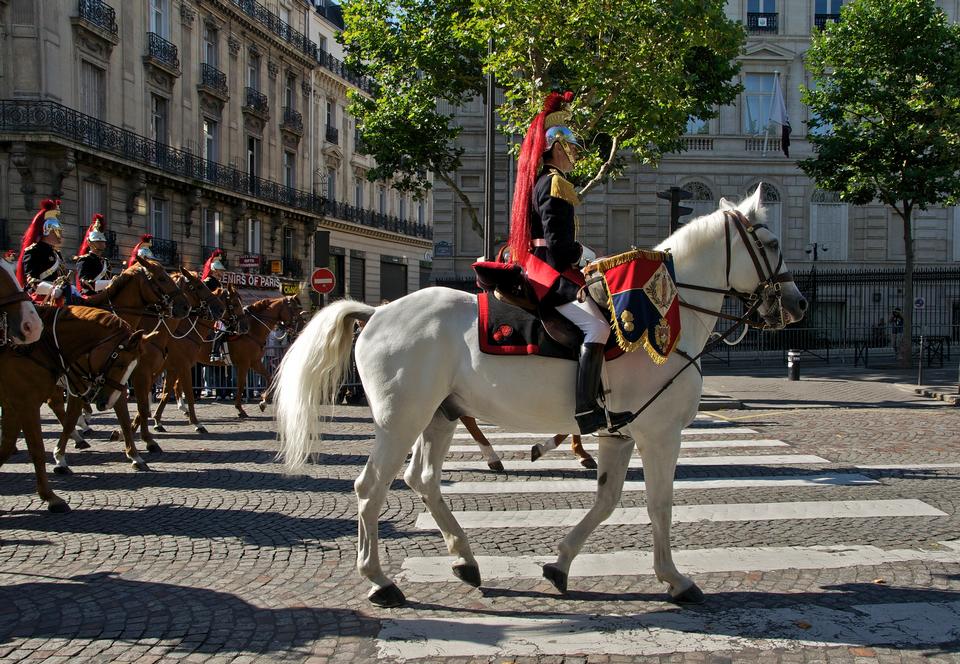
639	69
886	95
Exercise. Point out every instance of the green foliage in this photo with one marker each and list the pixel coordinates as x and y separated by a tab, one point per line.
639	69
887	90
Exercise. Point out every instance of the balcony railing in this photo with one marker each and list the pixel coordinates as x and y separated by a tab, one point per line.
112	251
761	144
333	135
696	143
292	267
277	26
336	66
213	78
100	14
162	51
821	20
292	120
164	251
206	251
373	219
256	101
762	22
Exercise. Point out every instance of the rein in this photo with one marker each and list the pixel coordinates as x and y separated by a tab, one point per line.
94	383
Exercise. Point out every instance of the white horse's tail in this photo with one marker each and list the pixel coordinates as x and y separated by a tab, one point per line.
310	376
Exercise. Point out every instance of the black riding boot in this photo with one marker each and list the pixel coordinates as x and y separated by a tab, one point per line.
216	352
591	416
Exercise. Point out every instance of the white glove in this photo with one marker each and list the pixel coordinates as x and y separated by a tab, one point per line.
587	256
57	292
101	284
44	288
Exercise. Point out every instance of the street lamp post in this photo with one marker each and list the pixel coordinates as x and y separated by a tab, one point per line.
814	249
488	218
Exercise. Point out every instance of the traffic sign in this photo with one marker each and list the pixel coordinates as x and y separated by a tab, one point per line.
323	280
919	303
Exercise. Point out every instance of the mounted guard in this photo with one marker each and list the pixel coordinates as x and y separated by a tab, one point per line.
93	269
142	249
543	229
212	276
41	269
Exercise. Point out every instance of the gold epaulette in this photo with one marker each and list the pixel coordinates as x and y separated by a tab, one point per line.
560	187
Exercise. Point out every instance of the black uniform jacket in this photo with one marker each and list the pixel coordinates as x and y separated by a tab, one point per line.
41	262
90	268
552	219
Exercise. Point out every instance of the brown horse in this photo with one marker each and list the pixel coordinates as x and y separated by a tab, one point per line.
195	347
91	350
19	322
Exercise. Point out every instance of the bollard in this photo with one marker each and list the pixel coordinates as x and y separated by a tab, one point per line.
793	365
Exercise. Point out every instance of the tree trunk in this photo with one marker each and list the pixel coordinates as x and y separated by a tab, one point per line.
906	343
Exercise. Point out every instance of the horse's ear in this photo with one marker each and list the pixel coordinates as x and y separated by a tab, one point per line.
183	271
750	206
726	205
136	340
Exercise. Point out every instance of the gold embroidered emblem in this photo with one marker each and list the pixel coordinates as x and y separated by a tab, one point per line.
663	333
560	187
627	321
661	289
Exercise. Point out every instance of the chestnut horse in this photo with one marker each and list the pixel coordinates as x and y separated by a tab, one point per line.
90	350
194	348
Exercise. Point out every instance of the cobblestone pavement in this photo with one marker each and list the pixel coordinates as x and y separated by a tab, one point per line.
216	555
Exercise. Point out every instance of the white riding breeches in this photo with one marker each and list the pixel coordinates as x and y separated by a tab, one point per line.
587	316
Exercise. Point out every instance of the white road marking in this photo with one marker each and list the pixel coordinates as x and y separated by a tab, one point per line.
837	509
463	434
590	486
911	625
909	466
573	464
590	447
691	561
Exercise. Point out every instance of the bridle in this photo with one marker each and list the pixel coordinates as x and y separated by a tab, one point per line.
6	339
770	278
161	308
283	326
197	313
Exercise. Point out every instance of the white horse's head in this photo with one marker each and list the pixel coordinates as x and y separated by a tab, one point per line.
23	323
782	302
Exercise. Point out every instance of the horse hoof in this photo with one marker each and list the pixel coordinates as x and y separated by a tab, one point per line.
535	453
115	436
140	466
469	574
58	508
496	466
589	462
692	595
263	406
242	415
62	470
556	576
388	597
154	448
81	445
201	429
159	428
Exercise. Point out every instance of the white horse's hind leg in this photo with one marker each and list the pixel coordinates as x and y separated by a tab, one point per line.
614	459
659	466
423	476
383	464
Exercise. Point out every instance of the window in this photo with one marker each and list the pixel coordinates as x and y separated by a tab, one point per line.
402	212
210	42
331	184
253	71
158	118
697	126
358	192
210	230
382	200
289	99
420	212
829	225
828	6
322	43
209	144
620	235
702	203
287	243
358	278
158	223
331	113
822	129
393	280
253	156
93	199
284	14
92	90
253	236
757	100
159	17
762	6
289	169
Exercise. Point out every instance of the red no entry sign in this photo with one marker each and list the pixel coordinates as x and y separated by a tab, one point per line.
323	280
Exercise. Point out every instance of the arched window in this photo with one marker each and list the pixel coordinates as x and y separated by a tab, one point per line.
829	225
702	203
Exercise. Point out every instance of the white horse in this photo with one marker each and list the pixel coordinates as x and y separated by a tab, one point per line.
22	326
421	368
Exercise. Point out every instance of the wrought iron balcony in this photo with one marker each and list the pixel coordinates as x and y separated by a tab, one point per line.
336	66
213	79
821	20
280	28
761	22
292	267
292	120
256	101
99	14
164	251
333	135
162	51
373	219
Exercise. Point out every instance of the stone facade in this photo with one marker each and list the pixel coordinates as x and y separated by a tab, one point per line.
725	157
198	122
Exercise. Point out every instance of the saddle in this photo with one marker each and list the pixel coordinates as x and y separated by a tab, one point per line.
635	289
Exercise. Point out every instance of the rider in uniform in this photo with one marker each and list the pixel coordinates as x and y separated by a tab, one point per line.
142	249
543	241
211	276
41	269
93	270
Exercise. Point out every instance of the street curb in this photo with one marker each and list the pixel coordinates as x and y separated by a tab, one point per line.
939	393
717	401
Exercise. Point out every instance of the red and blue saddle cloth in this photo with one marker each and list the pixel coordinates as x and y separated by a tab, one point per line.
637	289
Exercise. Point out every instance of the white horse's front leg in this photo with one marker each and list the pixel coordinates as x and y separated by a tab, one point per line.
614	459
659	466
423	476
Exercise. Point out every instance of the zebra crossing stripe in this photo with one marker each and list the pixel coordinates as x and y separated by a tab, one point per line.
691	561
463	434
685	445
636	462
911	625
837	509
590	486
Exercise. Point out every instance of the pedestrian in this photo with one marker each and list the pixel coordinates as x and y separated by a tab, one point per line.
896	329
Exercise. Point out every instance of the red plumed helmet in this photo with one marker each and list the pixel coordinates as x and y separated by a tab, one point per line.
95	233
531	154
141	249
213	263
